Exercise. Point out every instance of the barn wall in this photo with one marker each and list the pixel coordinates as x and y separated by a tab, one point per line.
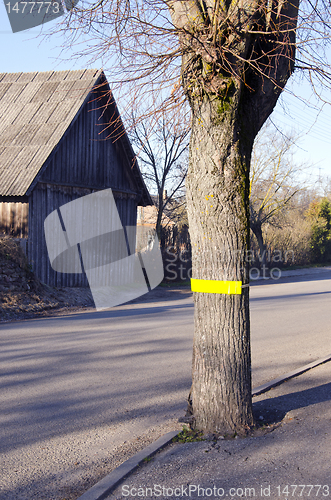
87	158
85	161
14	219
48	197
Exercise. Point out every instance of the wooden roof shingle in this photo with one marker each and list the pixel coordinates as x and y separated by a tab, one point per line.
35	111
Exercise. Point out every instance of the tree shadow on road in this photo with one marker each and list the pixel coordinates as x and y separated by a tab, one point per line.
271	411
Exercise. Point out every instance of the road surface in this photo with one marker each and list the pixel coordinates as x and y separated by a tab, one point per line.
74	388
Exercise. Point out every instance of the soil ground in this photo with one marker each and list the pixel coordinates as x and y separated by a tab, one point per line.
45	302
23	296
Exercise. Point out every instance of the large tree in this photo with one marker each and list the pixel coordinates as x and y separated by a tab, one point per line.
232	79
230	60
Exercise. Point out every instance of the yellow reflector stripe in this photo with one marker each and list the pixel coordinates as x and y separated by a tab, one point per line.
214	286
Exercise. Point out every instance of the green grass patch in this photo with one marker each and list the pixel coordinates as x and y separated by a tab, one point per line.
188	436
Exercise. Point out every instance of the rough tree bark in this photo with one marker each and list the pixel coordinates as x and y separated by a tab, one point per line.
218	221
237	58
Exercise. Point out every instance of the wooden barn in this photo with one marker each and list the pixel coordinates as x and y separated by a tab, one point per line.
57	144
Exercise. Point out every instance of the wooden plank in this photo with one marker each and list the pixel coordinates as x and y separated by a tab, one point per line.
13	217
27	77
11	77
3	88
29	92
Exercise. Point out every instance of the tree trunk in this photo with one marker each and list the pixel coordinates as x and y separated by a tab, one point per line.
218	210
158	226
236	59
257	230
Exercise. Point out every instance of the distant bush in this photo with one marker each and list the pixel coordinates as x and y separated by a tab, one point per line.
319	214
288	241
297	237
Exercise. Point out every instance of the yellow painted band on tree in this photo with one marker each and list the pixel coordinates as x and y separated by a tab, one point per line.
215	286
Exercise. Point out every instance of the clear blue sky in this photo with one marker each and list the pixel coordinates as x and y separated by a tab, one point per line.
28	51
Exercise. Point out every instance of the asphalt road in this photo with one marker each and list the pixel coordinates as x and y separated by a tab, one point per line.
290	324
75	387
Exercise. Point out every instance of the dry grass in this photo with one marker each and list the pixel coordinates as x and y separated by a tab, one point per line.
11	250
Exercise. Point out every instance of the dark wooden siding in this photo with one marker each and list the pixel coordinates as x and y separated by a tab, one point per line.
86	157
14	219
84	162
48	197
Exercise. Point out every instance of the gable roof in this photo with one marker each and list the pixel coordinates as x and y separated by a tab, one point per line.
36	109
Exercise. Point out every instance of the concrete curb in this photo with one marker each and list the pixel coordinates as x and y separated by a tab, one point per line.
104	487
279	380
